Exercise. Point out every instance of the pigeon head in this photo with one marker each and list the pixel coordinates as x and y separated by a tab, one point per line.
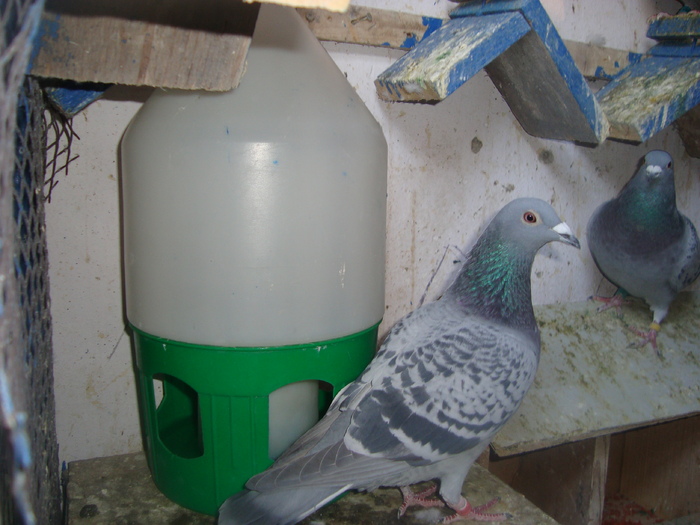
528	224
648	200
495	279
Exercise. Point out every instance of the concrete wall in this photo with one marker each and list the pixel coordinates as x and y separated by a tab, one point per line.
451	167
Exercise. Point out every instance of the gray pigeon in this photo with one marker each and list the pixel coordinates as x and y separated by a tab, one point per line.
643	244
445	380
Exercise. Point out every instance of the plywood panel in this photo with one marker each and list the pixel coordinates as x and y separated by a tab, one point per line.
567	482
661	468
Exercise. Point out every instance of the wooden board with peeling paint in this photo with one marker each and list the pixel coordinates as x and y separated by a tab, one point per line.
449	57
591	382
650	95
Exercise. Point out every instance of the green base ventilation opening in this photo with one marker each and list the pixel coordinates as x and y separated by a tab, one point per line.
205	409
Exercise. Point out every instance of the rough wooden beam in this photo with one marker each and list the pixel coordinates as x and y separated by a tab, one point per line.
370	26
171	43
396	30
598	62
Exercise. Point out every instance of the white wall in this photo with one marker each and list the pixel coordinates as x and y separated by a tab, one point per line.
440	194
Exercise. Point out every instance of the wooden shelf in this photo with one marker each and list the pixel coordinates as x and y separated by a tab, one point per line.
590	382
119	489
604	418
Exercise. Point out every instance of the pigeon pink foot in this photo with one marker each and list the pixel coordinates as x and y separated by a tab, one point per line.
647	336
616	302
465	511
420	499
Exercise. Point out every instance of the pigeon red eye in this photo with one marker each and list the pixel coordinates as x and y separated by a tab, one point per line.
530	217
669	165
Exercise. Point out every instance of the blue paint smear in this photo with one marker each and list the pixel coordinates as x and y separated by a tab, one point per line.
410	42
431	25
227	130
71	97
600	73
634	57
275	162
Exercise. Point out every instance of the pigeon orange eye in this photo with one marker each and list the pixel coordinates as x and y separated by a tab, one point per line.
530	217
669	165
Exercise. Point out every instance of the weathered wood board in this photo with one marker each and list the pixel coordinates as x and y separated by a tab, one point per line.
681	26
525	57
539	96
562	92
449	57
383	28
119	489
590	382
370	26
650	95
171	43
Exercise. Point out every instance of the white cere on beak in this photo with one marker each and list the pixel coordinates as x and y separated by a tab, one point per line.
566	235
563	229
654	170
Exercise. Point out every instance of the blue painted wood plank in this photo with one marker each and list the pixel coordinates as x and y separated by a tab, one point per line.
72	97
650	95
668	49
540	22
675	27
449	57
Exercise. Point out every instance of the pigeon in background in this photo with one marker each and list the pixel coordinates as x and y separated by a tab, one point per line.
643	244
445	380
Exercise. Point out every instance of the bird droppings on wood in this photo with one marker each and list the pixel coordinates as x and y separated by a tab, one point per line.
585	377
120	491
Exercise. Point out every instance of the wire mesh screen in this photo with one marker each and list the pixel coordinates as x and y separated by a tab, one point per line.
29	480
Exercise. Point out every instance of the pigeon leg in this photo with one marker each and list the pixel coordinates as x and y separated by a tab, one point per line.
419	498
616	301
647	337
464	511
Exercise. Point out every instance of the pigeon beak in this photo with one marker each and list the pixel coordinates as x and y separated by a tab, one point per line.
566	235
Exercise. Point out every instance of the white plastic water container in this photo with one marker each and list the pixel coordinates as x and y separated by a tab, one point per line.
252	220
257	216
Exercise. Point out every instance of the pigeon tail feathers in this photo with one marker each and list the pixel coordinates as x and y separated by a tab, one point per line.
283	507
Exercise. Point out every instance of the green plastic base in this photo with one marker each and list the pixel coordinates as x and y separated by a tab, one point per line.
209	434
